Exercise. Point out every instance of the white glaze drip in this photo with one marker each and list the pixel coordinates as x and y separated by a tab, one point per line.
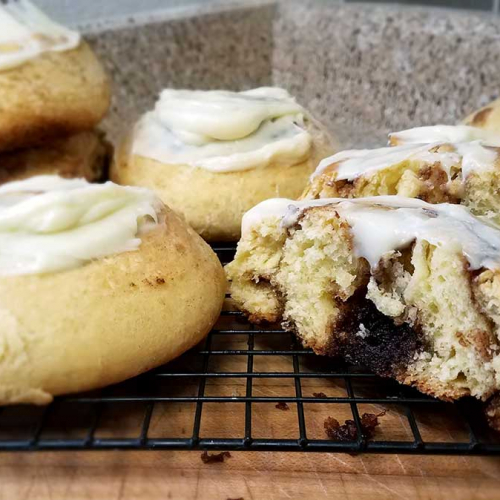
355	162
384	224
476	157
466	157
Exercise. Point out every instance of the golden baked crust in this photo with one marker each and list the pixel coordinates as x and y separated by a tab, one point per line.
214	203
56	94
83	155
487	117
109	320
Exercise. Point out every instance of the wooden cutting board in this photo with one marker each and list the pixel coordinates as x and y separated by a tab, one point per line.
247	475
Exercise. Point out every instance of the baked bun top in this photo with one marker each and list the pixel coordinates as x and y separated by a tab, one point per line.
50	224
458	148
224	131
26	33
385	224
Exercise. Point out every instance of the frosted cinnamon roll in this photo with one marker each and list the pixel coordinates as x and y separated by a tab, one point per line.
98	283
455	164
51	83
212	155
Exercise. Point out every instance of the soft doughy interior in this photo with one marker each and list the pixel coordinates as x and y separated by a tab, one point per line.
318	273
256	263
420	317
482	194
436	297
109	320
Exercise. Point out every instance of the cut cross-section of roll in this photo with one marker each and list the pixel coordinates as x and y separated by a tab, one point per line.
98	283
409	289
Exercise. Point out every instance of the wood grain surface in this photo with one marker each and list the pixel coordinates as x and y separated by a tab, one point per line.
247	475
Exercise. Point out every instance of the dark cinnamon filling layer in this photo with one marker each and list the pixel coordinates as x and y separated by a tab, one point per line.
367	337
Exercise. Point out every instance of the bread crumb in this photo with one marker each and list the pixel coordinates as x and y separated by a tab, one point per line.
214	458
282	406
348	431
321	395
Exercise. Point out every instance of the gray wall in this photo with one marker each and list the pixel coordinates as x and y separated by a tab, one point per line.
71	12
77	12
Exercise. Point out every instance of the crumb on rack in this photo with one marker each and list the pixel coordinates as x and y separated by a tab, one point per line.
214	458
320	395
282	406
348	431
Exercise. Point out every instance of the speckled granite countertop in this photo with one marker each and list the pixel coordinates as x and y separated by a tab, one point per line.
363	69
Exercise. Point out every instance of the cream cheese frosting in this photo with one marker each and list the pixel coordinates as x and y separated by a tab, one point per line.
26	33
224	131
384	224
445	133
50	224
470	150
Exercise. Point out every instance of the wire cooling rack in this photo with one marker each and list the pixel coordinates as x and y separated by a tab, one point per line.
250	389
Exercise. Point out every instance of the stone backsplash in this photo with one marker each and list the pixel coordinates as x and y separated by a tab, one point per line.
364	69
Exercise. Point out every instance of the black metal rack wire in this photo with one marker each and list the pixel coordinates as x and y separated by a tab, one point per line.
249	389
